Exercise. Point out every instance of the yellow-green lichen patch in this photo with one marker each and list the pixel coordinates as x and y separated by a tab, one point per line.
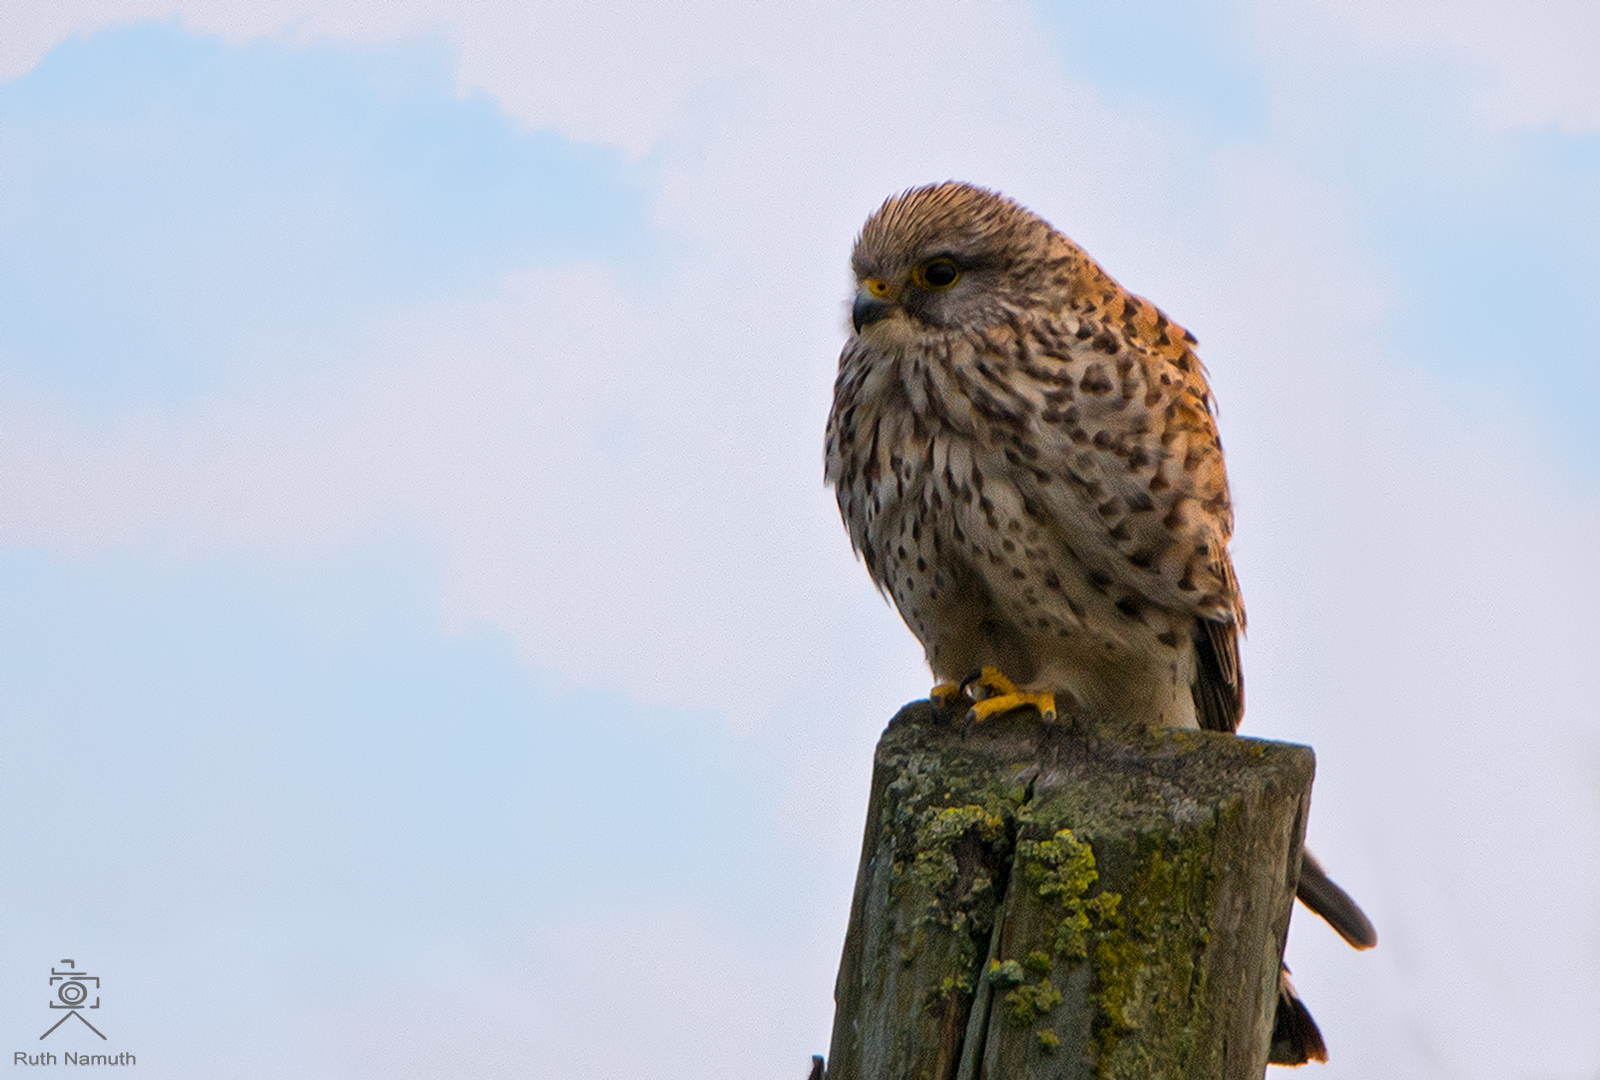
1061	870
949	881
1027	1003
934	866
951	824
1144	964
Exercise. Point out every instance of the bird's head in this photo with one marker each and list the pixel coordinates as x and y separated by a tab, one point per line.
950	256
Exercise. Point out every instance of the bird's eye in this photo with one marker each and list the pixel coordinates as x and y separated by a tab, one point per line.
938	273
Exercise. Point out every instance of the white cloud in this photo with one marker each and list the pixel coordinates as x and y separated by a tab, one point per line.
631	506
648	994
1538	56
631	73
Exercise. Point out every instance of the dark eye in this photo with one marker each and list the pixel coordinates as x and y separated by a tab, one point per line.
936	274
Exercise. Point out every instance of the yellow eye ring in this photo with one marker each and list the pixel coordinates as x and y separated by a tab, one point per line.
940	273
877	287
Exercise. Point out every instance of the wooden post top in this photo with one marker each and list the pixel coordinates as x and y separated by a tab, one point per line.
1042	900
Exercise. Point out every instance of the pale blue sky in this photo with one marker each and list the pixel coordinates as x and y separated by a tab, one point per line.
176	207
422	607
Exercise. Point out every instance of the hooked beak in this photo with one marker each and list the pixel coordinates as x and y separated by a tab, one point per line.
868	308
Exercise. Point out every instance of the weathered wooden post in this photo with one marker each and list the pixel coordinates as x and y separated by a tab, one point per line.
1035	901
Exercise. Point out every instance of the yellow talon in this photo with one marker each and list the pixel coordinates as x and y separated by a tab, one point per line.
1004	696
944	694
1004	703
991	679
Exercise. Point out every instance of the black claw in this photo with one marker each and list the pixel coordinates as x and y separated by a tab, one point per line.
969	722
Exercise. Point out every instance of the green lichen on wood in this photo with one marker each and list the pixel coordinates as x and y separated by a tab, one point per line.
1061	871
1145	963
1141	944
934	867
1027	1003
953	826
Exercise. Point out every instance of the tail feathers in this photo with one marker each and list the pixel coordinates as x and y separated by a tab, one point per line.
1295	1038
1218	688
1321	895
816	1067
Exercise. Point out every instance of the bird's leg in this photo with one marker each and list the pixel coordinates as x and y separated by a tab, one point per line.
1003	696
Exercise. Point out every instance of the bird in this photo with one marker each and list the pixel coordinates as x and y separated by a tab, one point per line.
1025	456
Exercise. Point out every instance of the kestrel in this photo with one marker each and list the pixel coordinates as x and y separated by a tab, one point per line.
1026	457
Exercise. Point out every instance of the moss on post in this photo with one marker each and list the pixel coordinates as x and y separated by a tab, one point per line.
1037	902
